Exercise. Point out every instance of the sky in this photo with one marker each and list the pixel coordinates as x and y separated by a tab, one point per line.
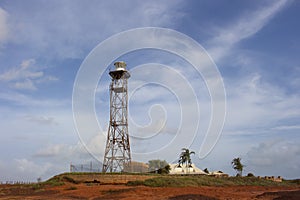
46	45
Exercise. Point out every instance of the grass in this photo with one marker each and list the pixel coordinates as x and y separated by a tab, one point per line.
156	180
54	181
65	177
195	181
295	181
37	186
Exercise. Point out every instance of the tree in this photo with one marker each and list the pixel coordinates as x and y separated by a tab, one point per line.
185	157
250	175
39	179
237	166
164	170
206	170
159	166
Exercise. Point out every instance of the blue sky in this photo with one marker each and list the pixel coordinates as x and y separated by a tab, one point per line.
254	44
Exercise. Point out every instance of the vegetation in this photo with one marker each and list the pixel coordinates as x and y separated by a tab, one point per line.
159	166
165	180
237	166
165	170
118	191
195	181
55	181
158	180
185	157
71	188
295	181
206	170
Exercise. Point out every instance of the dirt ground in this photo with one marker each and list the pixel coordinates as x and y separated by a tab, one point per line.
103	192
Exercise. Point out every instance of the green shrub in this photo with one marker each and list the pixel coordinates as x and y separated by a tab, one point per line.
69	179
194	181
55	181
135	183
72	188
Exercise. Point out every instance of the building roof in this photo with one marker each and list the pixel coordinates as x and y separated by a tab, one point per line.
183	169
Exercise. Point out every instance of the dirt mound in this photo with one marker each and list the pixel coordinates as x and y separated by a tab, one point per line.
281	195
192	197
95	191
143	187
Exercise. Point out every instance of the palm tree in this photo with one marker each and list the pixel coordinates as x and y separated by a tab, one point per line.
185	157
237	166
206	170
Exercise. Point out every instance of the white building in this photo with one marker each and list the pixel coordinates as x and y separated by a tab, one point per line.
183	169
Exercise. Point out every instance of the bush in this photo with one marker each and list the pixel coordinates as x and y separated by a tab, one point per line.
135	183
55	181
159	166
250	175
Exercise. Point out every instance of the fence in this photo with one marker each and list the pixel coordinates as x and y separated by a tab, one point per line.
15	182
87	167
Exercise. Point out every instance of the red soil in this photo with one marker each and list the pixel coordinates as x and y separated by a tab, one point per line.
95	192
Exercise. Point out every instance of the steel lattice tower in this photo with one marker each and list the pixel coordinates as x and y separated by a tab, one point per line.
117	156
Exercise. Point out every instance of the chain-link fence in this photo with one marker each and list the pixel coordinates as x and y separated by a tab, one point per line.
92	166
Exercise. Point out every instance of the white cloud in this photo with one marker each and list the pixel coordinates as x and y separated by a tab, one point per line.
44	135
25	165
254	103
275	156
24	85
41	119
23	169
25	71
292	127
249	24
246	26
51	150
46	79
83	150
4	30
26	76
44	31
25	100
